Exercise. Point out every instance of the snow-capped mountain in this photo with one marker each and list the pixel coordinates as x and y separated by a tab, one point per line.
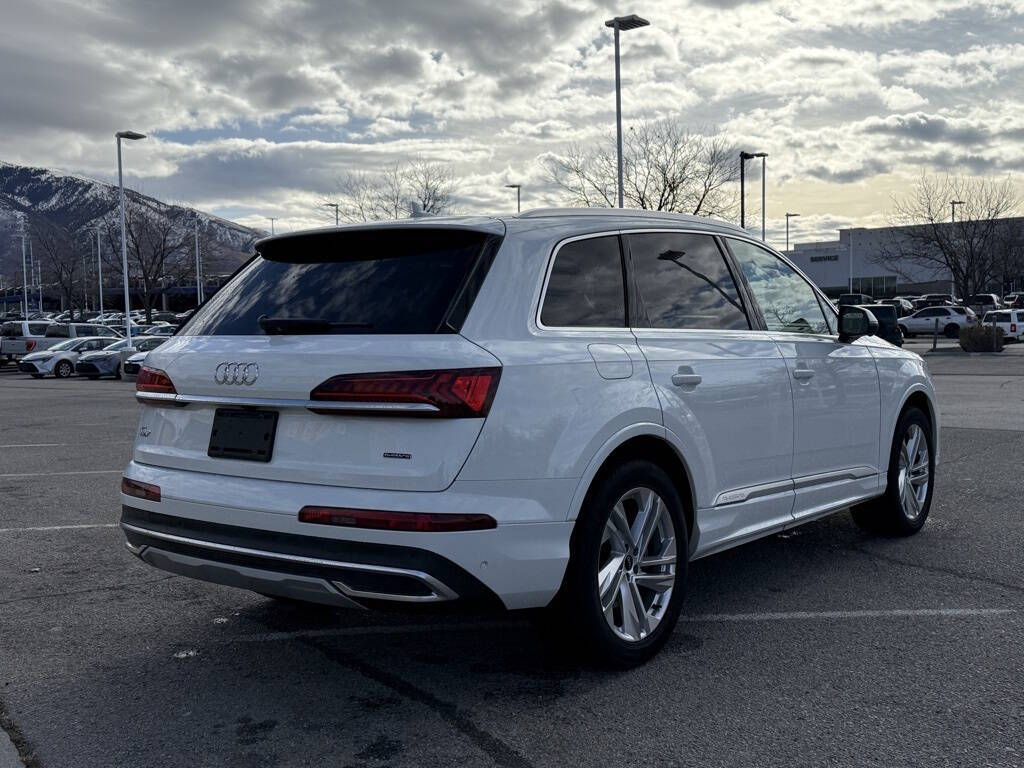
75	202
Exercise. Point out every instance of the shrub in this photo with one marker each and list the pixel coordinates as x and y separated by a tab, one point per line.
985	338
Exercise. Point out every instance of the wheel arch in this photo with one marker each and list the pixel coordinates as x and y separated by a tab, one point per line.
918	397
642	441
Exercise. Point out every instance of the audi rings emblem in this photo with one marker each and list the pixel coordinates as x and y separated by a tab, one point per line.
236	373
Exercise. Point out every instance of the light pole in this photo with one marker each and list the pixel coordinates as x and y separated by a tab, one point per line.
199	268
788	217
129	136
335	207
24	271
517	187
744	156
764	156
952	205
850	248
272	220
621	23
99	268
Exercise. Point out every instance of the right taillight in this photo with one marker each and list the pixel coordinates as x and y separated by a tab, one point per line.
462	393
29	345
154	380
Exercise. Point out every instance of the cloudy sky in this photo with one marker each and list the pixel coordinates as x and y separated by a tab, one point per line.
255	109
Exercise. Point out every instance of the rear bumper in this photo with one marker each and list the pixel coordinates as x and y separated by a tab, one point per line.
246	533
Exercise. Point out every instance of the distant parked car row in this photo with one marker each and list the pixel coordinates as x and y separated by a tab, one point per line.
91	357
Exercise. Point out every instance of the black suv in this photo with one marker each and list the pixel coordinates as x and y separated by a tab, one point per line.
888	328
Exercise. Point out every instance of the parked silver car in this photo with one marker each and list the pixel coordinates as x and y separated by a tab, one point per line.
59	360
108	361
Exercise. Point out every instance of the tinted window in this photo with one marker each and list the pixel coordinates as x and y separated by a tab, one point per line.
586	287
58	330
931	313
683	282
10	330
397	280
37	329
787	301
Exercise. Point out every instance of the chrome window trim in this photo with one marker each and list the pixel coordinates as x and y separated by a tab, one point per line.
440	590
710	232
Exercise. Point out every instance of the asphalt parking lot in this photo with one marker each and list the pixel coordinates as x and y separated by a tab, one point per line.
822	646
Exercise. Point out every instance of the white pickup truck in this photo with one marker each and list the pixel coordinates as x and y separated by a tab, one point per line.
20	337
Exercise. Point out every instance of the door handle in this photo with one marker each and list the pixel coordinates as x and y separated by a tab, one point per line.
685	377
803	373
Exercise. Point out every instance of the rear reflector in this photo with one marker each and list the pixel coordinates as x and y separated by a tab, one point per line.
395	521
465	393
140	490
154	380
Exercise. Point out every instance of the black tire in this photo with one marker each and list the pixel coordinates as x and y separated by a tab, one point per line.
36	375
117	372
886	515
63	369
951	331
575	619
906	334
92	378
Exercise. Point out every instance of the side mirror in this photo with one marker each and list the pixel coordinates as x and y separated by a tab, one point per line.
855	322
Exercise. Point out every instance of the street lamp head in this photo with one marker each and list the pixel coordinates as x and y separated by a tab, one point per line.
130	135
746	156
956	202
513	186
627	22
791	215
760	154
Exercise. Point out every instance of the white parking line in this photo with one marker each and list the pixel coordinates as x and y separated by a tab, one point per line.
59	527
17	475
266	637
819	615
33	445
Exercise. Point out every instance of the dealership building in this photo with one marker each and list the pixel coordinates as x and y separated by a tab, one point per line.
858	253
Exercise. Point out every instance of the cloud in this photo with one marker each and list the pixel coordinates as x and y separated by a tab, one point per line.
255	109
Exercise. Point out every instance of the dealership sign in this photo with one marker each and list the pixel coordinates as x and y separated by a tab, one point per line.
831	257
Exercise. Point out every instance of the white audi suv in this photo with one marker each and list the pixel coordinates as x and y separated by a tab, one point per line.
554	411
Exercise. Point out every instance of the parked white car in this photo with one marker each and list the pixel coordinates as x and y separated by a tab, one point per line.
950	321
59	360
557	410
1010	320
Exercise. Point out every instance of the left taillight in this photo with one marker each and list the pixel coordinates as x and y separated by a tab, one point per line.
463	393
140	490
154	380
29	345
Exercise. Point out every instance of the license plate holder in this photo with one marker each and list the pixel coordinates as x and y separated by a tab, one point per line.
243	433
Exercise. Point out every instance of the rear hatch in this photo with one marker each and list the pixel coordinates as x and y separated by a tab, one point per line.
289	371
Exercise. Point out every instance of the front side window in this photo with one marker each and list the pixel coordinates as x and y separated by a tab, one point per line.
586	287
787	300
682	281
37	329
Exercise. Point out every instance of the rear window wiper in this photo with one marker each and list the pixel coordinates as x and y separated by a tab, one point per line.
276	326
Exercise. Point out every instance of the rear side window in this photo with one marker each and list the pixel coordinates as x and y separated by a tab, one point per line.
586	287
398	280
38	329
10	330
59	331
682	281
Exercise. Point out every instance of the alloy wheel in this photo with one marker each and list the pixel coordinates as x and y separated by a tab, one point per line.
914	472
637	564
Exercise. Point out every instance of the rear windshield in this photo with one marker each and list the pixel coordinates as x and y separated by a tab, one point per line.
402	280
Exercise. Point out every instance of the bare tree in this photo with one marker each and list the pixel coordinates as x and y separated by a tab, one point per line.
666	167
62	255
158	241
975	250
391	192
